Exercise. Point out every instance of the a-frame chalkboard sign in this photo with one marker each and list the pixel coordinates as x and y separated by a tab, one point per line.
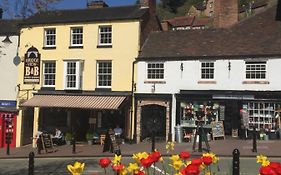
110	143
47	143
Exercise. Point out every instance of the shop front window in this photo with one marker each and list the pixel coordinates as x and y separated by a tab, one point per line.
194	112
262	115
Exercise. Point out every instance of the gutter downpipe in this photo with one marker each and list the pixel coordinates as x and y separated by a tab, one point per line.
133	130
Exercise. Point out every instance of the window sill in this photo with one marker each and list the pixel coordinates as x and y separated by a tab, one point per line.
155	82
103	89
104	46
207	82
49	48
75	47
255	82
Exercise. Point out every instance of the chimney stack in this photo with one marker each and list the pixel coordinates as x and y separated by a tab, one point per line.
278	13
1	13
151	4
96	4
225	13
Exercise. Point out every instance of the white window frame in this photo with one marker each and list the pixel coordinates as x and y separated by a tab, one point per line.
49	73
50	37
77	75
104	74
159	71
255	68
76	34
207	75
100	43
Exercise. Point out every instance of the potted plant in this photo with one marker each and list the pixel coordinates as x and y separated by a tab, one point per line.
68	138
89	137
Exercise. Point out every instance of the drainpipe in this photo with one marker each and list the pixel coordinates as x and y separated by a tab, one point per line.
133	131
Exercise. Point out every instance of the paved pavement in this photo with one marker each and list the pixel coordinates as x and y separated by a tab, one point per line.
270	148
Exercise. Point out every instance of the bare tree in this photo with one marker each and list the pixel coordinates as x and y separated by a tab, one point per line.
24	8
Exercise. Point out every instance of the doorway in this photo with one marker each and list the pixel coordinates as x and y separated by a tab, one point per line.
153	120
232	116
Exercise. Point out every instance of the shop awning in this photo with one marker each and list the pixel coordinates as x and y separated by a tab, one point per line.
75	101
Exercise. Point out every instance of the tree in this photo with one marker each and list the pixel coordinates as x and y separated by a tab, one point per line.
24	8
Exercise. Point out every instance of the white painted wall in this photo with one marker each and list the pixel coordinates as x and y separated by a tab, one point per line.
176	80
187	79
8	70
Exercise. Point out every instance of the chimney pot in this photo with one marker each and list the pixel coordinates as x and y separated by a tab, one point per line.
96	4
151	4
1	13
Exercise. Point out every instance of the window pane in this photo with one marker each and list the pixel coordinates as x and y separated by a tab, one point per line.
155	71
104	73
255	70
49	73
207	70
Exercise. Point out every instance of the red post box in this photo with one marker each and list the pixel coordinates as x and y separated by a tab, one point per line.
8	127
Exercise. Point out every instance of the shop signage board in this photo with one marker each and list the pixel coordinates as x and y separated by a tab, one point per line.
110	143
47	143
217	130
32	66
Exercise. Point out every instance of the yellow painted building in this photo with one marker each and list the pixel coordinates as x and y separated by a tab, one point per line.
76	71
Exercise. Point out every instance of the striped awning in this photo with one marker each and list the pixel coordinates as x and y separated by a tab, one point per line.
75	101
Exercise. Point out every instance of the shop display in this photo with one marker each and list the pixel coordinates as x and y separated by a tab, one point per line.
193	112
262	115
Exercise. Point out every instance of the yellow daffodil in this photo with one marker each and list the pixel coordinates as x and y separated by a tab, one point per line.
202	166
261	159
177	164
175	158
265	163
133	167
170	146
137	157
116	160
188	163
76	169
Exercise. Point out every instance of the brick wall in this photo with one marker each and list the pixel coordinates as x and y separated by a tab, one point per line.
226	13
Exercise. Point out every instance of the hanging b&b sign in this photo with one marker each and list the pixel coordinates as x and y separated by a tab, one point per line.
32	66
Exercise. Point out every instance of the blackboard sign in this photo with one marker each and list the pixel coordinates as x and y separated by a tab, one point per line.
110	143
47	143
217	129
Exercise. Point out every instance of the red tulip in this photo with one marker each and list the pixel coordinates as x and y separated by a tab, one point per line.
118	168
146	163
104	162
155	156
196	162
274	165
207	160
278	170
267	171
184	155
192	170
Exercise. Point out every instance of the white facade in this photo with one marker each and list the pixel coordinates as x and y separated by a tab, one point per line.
189	78
8	68
229	75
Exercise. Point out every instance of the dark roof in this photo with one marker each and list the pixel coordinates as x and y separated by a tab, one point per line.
181	21
87	15
9	27
257	35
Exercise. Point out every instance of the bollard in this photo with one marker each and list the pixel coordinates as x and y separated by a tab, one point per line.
31	163
235	162
153	141
73	145
254	140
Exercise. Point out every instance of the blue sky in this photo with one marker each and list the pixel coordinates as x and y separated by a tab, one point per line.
72	4
78	4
